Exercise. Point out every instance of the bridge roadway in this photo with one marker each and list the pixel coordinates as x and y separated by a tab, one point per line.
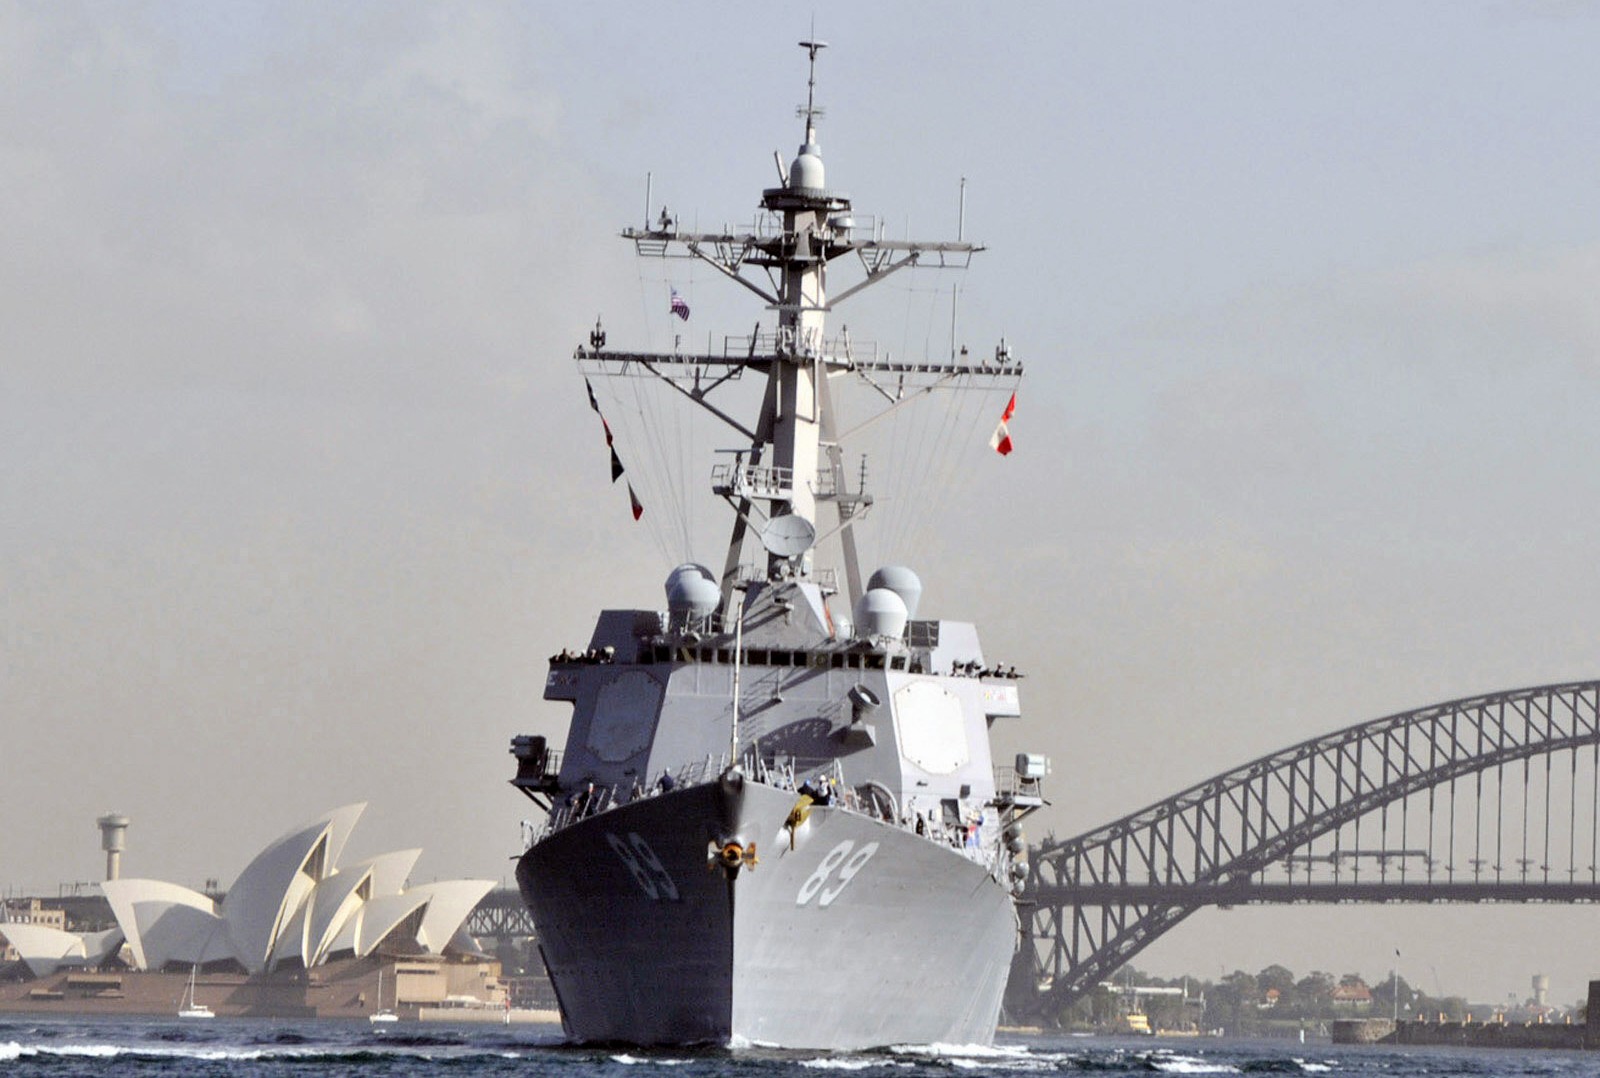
1251	892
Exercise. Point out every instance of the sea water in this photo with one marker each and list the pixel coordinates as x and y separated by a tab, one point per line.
332	1049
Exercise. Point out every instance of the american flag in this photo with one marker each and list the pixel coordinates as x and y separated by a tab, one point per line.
679	307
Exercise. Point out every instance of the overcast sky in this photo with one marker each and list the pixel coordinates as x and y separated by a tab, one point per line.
298	489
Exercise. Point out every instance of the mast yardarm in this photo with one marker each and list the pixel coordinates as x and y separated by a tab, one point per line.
792	466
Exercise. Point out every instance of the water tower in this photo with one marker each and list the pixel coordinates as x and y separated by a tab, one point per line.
1541	990
113	840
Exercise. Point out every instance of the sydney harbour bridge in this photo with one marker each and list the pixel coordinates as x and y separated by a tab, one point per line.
1493	798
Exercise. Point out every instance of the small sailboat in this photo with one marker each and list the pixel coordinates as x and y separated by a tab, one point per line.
382	1014
189	1008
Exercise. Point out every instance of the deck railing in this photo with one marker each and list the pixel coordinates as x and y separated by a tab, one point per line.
981	844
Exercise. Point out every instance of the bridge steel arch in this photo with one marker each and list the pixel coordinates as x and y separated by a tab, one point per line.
1418	777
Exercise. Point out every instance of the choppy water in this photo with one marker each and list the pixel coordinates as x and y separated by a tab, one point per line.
146	1047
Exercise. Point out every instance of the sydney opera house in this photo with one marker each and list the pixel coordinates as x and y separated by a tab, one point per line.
295	908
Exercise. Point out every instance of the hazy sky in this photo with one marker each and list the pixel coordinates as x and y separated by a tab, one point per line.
298	491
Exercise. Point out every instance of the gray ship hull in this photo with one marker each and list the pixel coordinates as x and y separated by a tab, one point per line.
863	935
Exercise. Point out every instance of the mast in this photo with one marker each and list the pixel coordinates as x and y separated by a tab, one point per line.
807	211
792	464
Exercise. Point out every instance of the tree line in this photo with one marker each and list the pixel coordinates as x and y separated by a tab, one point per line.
1246	1004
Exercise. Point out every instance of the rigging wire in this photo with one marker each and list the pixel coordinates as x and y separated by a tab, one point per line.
663	431
919	454
926	450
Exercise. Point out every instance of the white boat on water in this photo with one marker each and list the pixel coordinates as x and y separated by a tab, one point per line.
383	1014
190	1008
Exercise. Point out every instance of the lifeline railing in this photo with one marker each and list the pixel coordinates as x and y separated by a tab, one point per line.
788	774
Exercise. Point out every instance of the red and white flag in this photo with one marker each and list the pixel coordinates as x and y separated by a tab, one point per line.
637	505
1000	442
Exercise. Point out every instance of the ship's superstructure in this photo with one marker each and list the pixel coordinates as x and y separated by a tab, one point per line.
776	818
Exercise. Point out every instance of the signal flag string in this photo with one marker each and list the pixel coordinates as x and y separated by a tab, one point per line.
616	462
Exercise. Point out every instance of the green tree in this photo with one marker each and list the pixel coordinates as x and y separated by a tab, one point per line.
1166	1012
1315	990
1384	998
1277	977
1231	1005
1311	998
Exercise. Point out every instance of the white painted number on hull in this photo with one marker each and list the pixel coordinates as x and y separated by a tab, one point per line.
839	858
645	867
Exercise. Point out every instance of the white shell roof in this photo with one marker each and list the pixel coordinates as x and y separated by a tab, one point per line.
390	870
335	900
44	949
382	916
291	903
147	905
269	890
449	903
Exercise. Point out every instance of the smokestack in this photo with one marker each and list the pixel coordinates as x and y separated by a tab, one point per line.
113	840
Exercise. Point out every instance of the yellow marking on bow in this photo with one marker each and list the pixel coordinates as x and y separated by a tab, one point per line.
797	816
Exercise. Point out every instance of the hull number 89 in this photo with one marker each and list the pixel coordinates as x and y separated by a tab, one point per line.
834	874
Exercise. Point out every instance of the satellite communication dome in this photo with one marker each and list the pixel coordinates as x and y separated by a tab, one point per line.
807	169
691	589
880	612
903	582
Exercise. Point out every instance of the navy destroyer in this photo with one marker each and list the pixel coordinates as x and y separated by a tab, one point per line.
776	820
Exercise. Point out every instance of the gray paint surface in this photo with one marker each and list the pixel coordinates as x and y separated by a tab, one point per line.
903	940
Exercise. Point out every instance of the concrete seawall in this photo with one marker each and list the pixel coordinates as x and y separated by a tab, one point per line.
1562	1035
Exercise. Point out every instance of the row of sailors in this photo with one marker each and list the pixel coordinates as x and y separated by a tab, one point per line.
977	669
607	654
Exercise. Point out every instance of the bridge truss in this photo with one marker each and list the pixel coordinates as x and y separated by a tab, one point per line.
501	916
1491	798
